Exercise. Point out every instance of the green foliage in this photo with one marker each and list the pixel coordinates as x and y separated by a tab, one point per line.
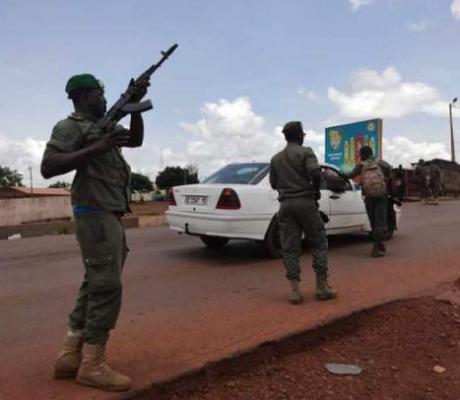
175	176
9	178
141	183
60	184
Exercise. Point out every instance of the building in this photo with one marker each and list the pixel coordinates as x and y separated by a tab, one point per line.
450	179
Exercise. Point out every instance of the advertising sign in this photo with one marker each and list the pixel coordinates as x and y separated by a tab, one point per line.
344	141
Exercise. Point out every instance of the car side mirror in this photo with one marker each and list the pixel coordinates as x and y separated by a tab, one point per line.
337	187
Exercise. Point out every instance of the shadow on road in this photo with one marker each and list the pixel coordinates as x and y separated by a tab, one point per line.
243	251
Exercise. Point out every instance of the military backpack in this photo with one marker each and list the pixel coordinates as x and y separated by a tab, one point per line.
374	184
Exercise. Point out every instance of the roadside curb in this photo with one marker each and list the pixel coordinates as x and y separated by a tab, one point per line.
50	228
440	292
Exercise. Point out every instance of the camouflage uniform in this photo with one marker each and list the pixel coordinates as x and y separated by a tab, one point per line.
100	196
376	208
290	174
422	173
435	180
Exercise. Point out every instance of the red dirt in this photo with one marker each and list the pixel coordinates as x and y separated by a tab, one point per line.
398	345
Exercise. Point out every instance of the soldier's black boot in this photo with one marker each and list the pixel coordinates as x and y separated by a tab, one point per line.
323	290
376	251
296	297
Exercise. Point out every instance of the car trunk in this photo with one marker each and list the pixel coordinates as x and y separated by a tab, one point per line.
200	198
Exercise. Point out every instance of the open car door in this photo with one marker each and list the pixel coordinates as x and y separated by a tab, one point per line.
346	206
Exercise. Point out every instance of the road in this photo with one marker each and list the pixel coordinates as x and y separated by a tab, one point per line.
185	305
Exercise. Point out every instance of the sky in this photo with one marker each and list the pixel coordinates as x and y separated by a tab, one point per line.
242	69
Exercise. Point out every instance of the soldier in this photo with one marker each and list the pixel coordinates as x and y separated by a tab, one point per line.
100	196
421	173
435	181
376	177
296	175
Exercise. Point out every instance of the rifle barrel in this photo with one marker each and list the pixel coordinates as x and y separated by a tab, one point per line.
165	55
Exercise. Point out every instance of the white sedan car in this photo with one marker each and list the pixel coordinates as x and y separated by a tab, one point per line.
237	202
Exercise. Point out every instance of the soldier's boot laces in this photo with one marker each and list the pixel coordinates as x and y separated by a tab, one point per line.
70	356
296	296
96	373
376	250
323	290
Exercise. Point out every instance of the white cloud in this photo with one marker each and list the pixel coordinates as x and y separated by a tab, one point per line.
309	94
21	154
355	4
418	26
385	94
401	150
229	131
455	8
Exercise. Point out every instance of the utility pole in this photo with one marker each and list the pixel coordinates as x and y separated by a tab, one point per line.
452	143
31	180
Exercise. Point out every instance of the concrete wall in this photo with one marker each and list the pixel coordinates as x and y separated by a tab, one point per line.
19	211
51	228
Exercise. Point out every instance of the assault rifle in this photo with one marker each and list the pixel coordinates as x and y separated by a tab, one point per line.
127	103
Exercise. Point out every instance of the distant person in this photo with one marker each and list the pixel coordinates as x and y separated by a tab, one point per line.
421	172
398	184
376	178
296	175
100	196
434	182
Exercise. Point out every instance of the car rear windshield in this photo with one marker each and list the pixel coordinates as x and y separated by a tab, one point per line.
249	174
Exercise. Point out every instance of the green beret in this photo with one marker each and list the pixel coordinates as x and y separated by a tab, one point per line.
83	81
293	127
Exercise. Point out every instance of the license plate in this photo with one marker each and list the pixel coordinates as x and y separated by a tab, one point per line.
194	200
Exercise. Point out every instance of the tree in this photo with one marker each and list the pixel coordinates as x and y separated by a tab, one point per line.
9	178
141	183
60	184
174	176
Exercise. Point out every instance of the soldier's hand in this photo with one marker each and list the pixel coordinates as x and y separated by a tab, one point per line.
343	175
138	89
117	137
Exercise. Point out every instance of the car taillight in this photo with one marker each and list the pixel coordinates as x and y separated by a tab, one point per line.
171	198
228	200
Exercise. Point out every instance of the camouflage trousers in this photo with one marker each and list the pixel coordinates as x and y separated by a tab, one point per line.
296	216
435	187
103	247
377	212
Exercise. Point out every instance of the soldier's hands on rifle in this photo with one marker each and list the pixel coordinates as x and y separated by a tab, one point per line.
138	89
117	137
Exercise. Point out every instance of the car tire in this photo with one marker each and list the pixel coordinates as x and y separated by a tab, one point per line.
214	242
272	242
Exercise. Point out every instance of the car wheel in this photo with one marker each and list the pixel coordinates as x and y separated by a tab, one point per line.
272	241
214	242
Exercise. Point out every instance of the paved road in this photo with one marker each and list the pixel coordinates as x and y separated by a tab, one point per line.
185	305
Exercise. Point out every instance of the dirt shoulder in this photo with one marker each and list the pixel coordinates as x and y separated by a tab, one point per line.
397	344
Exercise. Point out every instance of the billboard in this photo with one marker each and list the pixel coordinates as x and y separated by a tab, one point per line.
344	141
